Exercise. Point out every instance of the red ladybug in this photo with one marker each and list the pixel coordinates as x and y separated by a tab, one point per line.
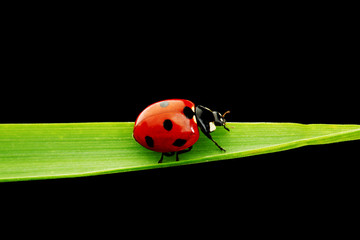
171	126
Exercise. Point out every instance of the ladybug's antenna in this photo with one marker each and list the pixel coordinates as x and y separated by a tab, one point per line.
225	114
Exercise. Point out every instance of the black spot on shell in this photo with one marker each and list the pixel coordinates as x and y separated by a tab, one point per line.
164	104
149	141
179	142
188	112
168	124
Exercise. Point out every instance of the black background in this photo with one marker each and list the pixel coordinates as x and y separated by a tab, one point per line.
264	66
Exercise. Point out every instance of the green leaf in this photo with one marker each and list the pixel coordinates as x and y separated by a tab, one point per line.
44	151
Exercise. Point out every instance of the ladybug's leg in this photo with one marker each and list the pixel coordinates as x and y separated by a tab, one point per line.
166	154
218	145
210	137
182	151
161	159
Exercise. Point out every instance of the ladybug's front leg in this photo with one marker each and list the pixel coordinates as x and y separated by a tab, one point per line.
210	137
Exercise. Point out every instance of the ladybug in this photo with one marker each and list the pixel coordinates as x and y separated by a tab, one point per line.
171	126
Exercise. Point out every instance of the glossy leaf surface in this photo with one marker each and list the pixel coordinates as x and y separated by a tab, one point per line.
45	151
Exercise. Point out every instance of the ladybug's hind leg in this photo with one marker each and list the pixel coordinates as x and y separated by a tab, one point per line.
166	154
182	151
161	159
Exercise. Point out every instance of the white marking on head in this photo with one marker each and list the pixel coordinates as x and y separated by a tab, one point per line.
193	108
212	126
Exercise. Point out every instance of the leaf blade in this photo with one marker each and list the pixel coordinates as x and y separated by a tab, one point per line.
45	151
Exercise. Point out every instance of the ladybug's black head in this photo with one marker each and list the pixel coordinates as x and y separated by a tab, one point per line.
208	120
219	119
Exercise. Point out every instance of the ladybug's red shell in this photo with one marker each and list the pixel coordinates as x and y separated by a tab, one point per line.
167	126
